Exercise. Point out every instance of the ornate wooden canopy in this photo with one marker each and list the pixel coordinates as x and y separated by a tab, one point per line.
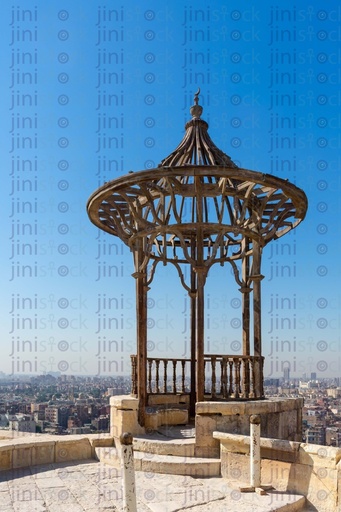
198	208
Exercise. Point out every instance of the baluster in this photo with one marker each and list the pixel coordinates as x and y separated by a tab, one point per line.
231	377
246	378
256	376
236	382
150	362
214	378
258	381
165	363
205	390
157	362
253	390
174	376
222	377
183	363
224	373
262	377
239	378
257	369
133	375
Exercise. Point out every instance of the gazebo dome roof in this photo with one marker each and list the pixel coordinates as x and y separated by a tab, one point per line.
197	148
197	201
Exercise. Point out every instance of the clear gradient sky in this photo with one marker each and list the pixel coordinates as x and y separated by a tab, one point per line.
91	90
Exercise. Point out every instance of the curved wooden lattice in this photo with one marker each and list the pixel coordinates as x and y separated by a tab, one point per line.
171	209
197	207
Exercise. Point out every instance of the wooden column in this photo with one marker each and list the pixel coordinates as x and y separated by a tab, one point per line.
193	305
201	272
257	306
200	332
245	299
245	290
257	320
141	332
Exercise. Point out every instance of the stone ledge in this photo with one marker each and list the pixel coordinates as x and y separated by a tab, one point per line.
249	407
31	451
180	447
274	449
323	456
124	402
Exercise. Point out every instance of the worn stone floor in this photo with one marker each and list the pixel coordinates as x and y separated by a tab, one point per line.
90	486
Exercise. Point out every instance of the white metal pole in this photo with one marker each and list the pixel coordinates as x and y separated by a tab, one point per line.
255	465
128	473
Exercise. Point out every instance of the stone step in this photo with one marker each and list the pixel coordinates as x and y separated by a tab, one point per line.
164	446
167	464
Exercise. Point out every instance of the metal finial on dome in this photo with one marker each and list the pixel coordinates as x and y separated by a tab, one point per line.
196	110
197	148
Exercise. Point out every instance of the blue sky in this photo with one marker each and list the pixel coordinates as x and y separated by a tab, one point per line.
90	91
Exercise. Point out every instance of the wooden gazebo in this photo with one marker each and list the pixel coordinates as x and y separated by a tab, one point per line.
198	208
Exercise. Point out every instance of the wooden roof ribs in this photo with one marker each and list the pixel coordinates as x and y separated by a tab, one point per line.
197	195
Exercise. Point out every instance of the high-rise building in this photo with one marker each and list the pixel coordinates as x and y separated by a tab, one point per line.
286	374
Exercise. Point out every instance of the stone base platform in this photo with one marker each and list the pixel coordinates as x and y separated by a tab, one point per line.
164	464
281	418
170	450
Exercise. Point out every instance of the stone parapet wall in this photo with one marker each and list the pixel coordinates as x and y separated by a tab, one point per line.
311	470
281	418
162	410
28	450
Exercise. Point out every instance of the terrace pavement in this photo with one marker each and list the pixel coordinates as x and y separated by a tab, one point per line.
91	486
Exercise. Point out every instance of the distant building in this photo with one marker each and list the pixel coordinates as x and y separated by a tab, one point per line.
4	423
311	384
22	423
286	374
73	422
316	435
334	392
57	415
41	406
80	430
333	437
101	424
39	416
51	414
313	376
271	382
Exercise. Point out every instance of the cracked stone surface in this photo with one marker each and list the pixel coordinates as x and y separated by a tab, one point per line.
90	486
